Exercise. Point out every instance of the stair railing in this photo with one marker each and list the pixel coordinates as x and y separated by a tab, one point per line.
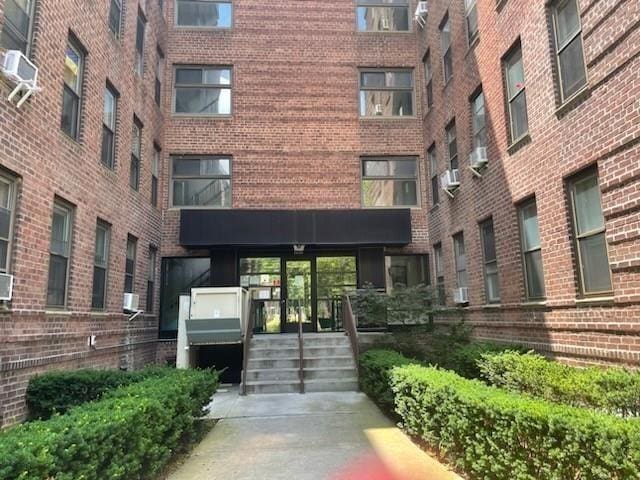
248	334
349	324
300	348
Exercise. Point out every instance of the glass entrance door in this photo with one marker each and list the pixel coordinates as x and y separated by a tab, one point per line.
298	296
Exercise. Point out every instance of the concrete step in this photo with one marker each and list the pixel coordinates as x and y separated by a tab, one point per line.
331	341
329	362
273	352
276	341
328	373
331	385
273	387
322	351
273	374
278	363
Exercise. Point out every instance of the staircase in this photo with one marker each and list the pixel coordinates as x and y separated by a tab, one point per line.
274	364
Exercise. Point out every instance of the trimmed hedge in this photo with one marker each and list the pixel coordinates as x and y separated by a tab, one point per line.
493	434
129	434
614	390
375	367
58	391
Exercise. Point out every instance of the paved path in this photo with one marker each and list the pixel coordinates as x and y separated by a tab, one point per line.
317	436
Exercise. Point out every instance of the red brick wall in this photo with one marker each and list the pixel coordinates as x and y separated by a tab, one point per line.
601	128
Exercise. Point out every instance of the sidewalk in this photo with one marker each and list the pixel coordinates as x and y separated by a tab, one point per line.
317	436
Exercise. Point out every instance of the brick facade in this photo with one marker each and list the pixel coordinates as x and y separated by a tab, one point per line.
296	141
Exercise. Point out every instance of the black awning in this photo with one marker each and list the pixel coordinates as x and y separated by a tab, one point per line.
259	228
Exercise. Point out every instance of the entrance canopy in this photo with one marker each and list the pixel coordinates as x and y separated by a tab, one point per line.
262	228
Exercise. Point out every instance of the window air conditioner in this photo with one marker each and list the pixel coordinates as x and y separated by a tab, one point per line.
131	302
378	109
421	14
385	24
450	181
478	158
6	287
461	296
17	68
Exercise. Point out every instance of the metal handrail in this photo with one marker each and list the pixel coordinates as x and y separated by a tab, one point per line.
349	324
301	349
247	345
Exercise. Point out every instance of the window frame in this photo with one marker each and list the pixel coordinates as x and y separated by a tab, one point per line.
446	21
116	97
216	177
507	61
438	270
117	34
28	40
422	258
458	240
486	262
68	210
472	37
160	69
451	127
198	27
529	251
106	227
218	86
558	49
482	132
131	240
136	160
364	177
362	88
428	78
74	44
155	173
12	183
152	273
382	4
432	158
138	64
578	237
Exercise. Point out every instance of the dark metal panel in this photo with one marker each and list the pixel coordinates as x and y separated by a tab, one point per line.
371	267
225	265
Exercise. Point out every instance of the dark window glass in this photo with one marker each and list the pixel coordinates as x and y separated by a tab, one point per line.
203	91
115	17
491	284
428	76
159	77
72	90
452	145
151	278
383	16
130	264
140	32
433	171
516	94
569	52
7	212
445	45
155	171
109	119
136	152
100	265
204	13
389	182
439	271
406	271
16	30
204	182
59	254
531	250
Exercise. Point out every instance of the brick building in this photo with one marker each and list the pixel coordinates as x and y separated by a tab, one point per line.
198	143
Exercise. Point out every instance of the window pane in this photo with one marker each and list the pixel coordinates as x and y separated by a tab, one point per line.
448	65
386	103
114	17
99	287
587	205
472	22
16	29
214	192
10	41
109	117
572	69
372	79
204	14
107	147
388	193
595	264
259	265
5	225
376	19
406	271
136	139
134	173
567	21
435	189
216	76
60	232
102	245
209	101
195	167
4	255
488	242
519	119
535	275
402	168
189	76
515	73
530	228
445	35
491	282
72	68
69	120
56	286
399	79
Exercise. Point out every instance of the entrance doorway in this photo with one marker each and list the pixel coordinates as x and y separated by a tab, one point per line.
306	289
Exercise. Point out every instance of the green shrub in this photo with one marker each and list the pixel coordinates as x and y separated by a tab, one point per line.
375	367
129	434
614	390
464	359
493	434
58	391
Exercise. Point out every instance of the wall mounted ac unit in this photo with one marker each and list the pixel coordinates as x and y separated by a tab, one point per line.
6	287
450	181
386	25
421	14
461	296
131	302
17	68
478	160
378	109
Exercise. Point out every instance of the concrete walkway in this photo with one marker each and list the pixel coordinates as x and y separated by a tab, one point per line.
317	436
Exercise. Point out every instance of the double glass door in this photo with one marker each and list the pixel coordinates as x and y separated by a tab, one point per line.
299	289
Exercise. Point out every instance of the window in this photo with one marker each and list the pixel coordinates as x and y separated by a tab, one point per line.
151	277
567	30
204	13
439	269
59	254
203	91
589	229
516	94
406	271
452	144
383	16
390	182
100	265
18	22
109	118
531	251
72	91
7	217
159	76
130	264
140	30
478	121
445	43
201	182
136	153
460	260
155	170
179	276
115	17
428	76
471	14
433	171
491	285
386	93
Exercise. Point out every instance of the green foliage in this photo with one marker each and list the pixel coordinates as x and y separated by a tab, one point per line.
57	392
493	434
129	434
614	390
375	367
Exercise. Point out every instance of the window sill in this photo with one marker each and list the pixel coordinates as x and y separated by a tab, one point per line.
573	101
195	28
55	311
472	44
534	304
385	32
521	142
492	306
383	118
74	141
196	207
202	116
594	301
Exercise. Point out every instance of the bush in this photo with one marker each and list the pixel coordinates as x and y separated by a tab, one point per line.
464	359
57	392
375	367
493	434
129	434
614	390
